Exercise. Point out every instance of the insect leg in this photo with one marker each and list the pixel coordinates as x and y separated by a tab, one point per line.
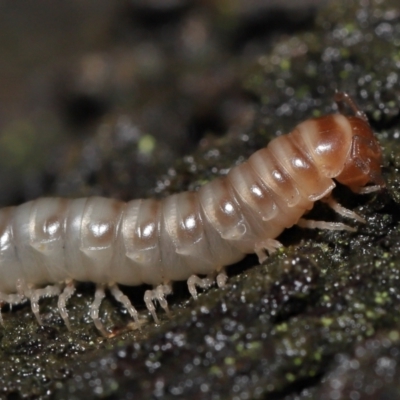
157	294
203	283
271	245
332	226
123	299
206	282
336	226
344	212
10	299
368	189
68	291
95	307
34	296
221	278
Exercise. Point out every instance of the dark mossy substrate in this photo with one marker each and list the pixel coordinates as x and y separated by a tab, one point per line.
320	319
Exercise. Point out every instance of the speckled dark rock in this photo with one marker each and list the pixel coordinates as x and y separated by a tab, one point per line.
320	318
369	371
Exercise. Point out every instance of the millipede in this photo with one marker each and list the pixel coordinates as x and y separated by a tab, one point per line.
49	244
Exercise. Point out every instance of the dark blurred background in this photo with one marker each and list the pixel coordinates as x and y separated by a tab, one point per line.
100	97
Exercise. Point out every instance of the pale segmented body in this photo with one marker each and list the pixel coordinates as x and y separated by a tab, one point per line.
57	241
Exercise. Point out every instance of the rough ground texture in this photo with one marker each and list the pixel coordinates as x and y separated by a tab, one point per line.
207	86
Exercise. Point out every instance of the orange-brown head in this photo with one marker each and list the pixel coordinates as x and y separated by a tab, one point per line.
364	160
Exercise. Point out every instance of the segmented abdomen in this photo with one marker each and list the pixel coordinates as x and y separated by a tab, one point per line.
150	241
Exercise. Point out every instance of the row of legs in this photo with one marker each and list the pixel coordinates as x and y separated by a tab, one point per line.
65	291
